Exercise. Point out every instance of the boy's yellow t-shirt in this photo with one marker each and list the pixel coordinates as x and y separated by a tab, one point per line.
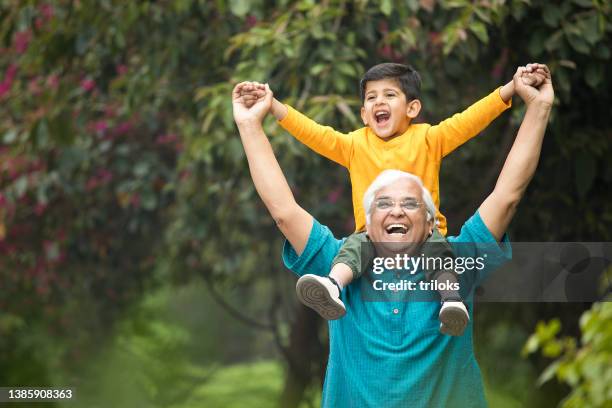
418	151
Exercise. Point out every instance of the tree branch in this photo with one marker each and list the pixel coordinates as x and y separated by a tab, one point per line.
233	311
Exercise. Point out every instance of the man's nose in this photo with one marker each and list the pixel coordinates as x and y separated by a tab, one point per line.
397	210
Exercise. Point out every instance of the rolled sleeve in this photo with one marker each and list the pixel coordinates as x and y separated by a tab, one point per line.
475	240
320	250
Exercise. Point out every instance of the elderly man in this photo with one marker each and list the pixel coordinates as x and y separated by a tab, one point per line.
384	353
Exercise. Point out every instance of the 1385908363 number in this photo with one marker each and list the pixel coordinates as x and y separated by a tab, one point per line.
35	394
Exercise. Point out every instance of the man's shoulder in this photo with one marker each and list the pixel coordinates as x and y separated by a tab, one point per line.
320	250
476	239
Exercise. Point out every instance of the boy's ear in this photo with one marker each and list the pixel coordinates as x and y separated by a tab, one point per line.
413	108
363	116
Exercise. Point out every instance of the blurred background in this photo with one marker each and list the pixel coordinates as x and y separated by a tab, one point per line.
139	267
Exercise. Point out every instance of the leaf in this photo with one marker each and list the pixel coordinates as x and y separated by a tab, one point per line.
480	31
579	44
602	51
548	373
239	8
386	6
551	15
585	173
10	136
593	74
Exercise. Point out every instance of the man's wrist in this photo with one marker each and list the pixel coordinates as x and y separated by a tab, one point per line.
249	124
540	107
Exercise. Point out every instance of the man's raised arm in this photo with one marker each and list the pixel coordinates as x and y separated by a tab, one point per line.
293	221
499	207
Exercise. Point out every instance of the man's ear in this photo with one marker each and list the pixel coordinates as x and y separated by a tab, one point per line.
413	108
431	225
363	116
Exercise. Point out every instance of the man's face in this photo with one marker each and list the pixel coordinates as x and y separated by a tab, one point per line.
385	109
396	229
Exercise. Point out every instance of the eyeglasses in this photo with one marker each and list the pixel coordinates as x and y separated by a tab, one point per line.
409	204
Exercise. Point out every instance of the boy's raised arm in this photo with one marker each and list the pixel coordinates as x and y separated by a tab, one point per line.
270	182
461	127
324	140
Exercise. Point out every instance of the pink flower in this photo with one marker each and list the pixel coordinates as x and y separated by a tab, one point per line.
135	200
385	51
11	71
5	87
251	20
22	41
100	126
53	81
46	10
40	209
7	83
88	84
104	176
167	138
123	128
33	86
122	69
91	183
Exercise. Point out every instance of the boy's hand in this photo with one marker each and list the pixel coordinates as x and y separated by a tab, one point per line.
534	74
544	94
251	92
248	109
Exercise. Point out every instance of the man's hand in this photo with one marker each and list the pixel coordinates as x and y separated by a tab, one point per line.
251	102
533	75
530	94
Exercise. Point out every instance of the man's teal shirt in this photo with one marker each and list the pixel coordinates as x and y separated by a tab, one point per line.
390	353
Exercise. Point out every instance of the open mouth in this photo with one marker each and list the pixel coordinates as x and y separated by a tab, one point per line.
400	229
382	117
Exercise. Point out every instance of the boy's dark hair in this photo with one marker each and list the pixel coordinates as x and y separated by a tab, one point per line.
408	78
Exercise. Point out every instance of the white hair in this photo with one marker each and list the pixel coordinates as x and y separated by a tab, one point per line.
388	177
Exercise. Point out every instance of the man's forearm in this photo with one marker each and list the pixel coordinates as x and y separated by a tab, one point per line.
266	173
523	158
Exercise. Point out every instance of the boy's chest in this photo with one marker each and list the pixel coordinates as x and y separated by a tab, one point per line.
411	155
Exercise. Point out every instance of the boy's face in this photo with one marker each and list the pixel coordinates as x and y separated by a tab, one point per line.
385	108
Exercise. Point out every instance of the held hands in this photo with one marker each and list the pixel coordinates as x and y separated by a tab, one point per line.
251	102
533	83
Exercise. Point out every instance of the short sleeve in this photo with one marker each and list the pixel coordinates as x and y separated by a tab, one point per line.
475	240
321	248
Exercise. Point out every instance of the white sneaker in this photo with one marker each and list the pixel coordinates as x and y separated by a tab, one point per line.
453	317
321	295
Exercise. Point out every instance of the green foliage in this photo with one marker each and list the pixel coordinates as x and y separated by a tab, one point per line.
584	367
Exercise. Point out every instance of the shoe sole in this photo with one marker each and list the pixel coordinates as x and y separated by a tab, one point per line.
453	321
315	295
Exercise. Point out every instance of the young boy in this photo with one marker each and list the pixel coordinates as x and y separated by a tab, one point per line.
389	140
